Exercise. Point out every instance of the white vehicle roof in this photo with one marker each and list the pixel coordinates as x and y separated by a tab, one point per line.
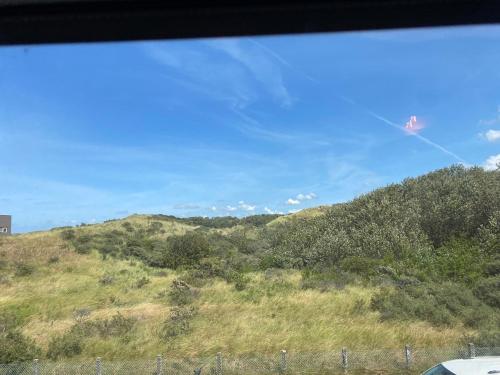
474	366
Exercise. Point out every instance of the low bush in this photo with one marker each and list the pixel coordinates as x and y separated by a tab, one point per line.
72	342
65	346
82	244
68	234
142	282
181	293
239	279
106	280
15	347
179	322
53	259
24	269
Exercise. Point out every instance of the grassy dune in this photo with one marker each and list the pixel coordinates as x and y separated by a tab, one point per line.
270	314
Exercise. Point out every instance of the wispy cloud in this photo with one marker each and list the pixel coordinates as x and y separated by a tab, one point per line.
194	69
256	129
259	64
187	206
282	60
243	75
491	121
492	163
292	202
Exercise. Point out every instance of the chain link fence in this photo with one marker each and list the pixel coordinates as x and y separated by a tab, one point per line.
407	360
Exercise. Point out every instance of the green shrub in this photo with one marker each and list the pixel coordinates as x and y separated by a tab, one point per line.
181	293
487	337
179	322
83	244
68	234
72	342
24	269
443	304
142	282
65	346
117	326
186	250
239	279
15	347
492	268
488	291
359	307
106	280
53	259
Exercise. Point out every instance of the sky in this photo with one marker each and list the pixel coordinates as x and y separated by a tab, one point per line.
239	126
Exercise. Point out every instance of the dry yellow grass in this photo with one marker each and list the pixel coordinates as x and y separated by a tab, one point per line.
269	315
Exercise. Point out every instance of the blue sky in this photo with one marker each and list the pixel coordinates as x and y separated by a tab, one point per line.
238	126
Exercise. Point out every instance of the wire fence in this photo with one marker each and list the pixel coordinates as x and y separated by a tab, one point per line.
407	360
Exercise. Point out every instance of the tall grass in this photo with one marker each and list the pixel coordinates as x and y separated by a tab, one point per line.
269	314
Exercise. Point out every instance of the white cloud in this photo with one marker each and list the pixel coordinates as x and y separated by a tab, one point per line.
302	197
231	208
213	208
245	206
492	162
492	135
272	212
292	201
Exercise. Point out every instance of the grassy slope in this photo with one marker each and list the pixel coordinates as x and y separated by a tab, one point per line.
271	314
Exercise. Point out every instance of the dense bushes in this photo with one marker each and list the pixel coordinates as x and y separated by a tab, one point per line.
488	291
440	304
402	221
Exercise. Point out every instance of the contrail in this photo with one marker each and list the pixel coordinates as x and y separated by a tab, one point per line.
350	101
394	125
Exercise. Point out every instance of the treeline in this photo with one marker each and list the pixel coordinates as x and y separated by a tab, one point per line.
220	222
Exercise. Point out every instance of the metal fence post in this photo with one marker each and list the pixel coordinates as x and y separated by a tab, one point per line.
472	350
218	364
98	366
283	361
408	356
36	370
159	367
344	358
